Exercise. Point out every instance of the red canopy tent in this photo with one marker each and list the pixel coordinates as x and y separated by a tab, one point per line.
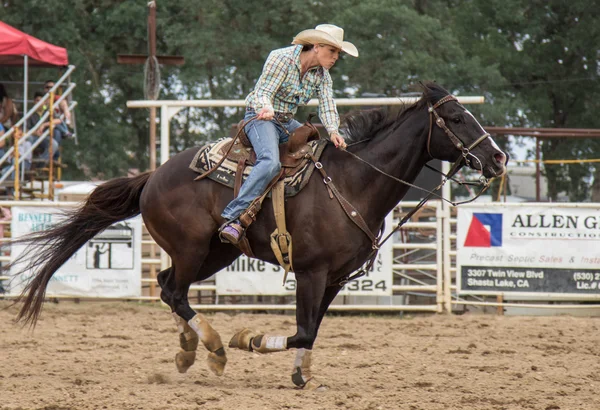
15	46
18	48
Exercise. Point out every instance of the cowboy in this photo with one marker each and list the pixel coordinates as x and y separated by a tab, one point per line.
291	76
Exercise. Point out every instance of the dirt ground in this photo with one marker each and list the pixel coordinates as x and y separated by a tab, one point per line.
120	356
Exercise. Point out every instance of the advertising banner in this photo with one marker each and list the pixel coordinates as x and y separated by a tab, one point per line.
253	277
528	249
109	265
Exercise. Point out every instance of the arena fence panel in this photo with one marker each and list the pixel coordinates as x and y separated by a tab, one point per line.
406	277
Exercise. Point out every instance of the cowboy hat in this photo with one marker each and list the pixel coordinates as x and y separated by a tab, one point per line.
326	34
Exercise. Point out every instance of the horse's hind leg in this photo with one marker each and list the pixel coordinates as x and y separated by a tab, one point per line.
187	270
194	326
188	338
165	281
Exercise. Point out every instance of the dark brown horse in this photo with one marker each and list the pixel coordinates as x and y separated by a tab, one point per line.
183	217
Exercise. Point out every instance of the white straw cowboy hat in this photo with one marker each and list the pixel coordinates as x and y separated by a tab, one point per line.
326	34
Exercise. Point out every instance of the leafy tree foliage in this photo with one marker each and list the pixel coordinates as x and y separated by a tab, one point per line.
548	53
535	61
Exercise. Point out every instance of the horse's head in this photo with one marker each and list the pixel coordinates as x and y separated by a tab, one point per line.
454	133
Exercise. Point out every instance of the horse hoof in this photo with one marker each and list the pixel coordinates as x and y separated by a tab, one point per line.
313	385
241	340
216	362
184	360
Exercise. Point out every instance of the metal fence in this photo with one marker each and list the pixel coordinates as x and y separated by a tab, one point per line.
417	270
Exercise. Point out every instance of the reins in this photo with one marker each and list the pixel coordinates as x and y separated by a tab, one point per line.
355	216
465	156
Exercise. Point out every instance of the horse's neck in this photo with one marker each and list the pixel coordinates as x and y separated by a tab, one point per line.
401	154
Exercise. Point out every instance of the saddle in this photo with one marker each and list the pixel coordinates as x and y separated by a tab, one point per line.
299	157
291	153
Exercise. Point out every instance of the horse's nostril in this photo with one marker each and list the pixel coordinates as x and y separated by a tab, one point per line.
500	158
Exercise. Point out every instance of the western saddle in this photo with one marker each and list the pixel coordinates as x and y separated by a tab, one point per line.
293	154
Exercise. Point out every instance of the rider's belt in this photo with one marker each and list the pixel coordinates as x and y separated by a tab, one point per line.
284	117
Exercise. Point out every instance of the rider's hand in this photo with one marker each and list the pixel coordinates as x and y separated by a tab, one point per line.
266	113
338	141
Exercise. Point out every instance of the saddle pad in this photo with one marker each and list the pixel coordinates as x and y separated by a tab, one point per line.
210	154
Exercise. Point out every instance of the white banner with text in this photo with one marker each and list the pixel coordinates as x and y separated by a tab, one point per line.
109	265
253	277
528	249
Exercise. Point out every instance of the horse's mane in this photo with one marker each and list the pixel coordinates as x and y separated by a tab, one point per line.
366	124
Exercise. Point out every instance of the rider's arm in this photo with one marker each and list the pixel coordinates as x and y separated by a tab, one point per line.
64	107
327	109
270	80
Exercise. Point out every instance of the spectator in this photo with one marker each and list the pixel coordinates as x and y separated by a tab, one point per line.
61	130
8	111
34	119
24	148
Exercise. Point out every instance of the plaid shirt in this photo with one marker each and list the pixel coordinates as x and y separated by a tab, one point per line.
279	87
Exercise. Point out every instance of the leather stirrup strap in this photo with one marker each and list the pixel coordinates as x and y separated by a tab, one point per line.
244	246
281	240
244	243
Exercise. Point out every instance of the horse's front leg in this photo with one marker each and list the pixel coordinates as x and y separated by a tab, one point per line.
309	298
302	374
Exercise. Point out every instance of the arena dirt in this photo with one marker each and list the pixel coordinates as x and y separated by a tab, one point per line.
120	356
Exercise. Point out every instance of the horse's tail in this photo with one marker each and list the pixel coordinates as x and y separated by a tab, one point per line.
111	202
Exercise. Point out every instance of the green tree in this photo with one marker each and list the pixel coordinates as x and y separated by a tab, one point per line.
111	138
225	44
548	53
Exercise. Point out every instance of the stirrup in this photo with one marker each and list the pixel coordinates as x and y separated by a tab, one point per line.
228	237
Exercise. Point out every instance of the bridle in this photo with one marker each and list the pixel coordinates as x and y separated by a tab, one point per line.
439	121
466	157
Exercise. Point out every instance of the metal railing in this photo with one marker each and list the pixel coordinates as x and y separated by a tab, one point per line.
411	275
33	110
8	171
20	157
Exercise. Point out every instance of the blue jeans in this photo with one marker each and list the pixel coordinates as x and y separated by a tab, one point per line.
45	144
265	137
60	130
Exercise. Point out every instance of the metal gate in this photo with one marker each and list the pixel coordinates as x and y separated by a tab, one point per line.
416	276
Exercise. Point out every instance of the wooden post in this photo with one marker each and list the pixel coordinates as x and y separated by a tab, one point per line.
152	54
142	59
152	138
499	308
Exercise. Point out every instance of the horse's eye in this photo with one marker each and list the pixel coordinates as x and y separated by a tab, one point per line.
456	120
